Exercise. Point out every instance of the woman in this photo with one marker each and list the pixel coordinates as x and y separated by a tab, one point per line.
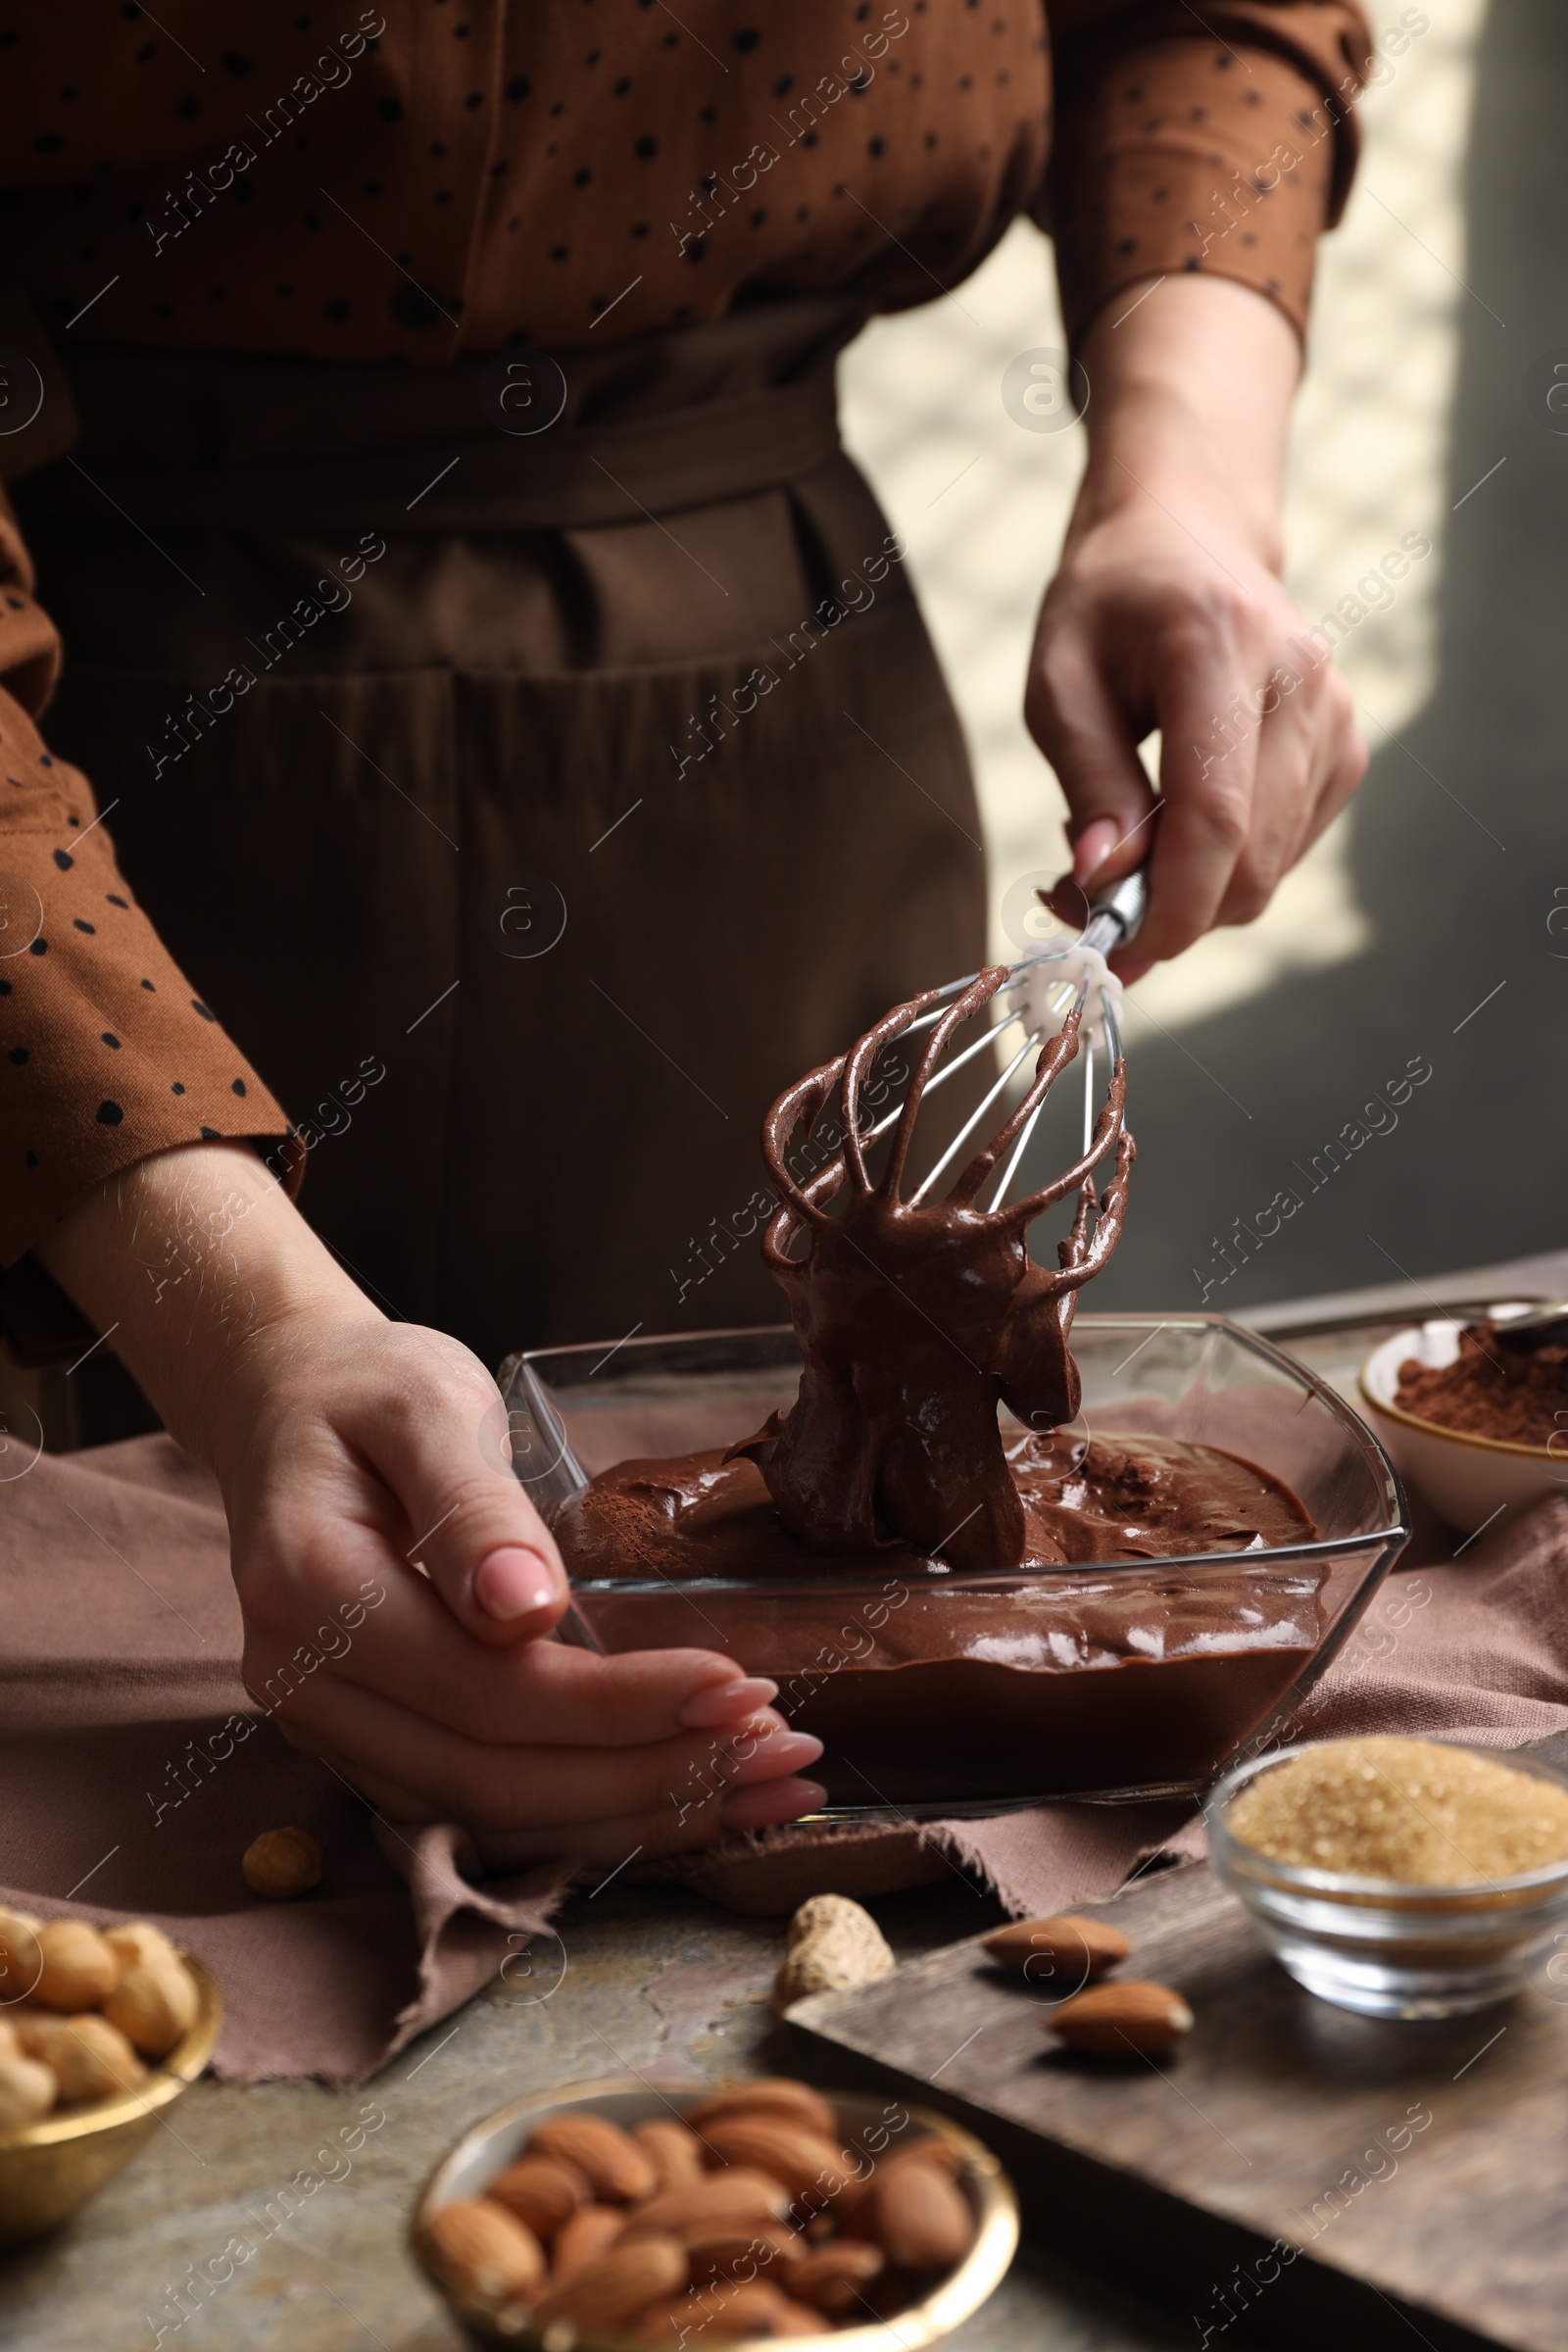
517	722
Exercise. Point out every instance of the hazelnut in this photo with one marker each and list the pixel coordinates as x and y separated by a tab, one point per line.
27	2090
140	1942
89	2057
282	1864
21	1960
79	1968
154	2005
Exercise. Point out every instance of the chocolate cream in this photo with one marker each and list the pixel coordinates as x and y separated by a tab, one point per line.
925	1689
926	1444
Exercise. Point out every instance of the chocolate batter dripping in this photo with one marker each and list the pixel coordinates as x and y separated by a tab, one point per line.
915	1321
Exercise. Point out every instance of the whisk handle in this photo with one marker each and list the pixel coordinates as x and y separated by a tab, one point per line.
1116	918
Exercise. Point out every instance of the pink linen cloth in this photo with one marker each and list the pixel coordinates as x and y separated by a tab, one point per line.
137	1769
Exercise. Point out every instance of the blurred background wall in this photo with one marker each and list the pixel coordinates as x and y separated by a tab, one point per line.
1421	928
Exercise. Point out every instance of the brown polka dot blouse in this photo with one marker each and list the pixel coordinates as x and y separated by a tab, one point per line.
432	176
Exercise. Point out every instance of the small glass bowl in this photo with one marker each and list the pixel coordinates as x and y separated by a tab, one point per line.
1379	1945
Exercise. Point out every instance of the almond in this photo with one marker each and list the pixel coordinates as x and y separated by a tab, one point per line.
154	2005
89	2056
926	2150
714	2314
796	2318
483	2250
728	2203
921	2217
674	2152
79	1968
21	1958
627	2277
27	2090
1064	1952
833	2277
582	2237
731	2254
540	2191
664	2323
1123	2020
771	2091
795	2155
617	2170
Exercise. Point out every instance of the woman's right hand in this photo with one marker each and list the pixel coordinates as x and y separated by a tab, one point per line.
397	1585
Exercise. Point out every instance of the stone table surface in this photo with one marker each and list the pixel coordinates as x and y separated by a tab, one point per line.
653	1978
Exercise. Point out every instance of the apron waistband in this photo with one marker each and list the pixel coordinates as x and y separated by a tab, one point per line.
563	478
373	447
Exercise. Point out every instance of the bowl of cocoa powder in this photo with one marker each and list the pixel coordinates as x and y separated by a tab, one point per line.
1474	1420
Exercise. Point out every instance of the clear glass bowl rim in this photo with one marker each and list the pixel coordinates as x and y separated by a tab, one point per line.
1414	1901
1391	1535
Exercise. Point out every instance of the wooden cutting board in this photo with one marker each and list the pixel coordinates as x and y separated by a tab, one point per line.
1411	2180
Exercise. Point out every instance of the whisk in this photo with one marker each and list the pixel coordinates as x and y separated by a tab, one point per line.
1040	1000
917	1316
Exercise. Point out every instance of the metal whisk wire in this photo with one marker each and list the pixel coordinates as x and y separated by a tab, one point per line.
1112	921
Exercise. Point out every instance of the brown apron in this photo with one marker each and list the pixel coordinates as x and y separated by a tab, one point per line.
588	784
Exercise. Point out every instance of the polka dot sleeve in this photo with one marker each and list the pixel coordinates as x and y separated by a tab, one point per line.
107	1053
1225	146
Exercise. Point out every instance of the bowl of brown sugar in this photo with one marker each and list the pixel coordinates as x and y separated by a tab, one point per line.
1474	1421
1397	1876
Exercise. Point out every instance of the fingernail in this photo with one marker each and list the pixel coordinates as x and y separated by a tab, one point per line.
511	1582
725	1702
1093	846
768	1807
738	1743
770	1757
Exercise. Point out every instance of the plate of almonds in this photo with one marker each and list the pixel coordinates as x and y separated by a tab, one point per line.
634	2213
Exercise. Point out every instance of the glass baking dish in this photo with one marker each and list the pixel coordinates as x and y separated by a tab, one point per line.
938	1694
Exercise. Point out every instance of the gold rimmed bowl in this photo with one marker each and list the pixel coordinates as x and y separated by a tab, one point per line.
487	2147
49	2168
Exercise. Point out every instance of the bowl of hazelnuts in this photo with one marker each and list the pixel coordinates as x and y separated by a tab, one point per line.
637	2213
101	2029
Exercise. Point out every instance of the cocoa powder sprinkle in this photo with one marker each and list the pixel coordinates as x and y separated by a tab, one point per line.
1490	1390
1409	1810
